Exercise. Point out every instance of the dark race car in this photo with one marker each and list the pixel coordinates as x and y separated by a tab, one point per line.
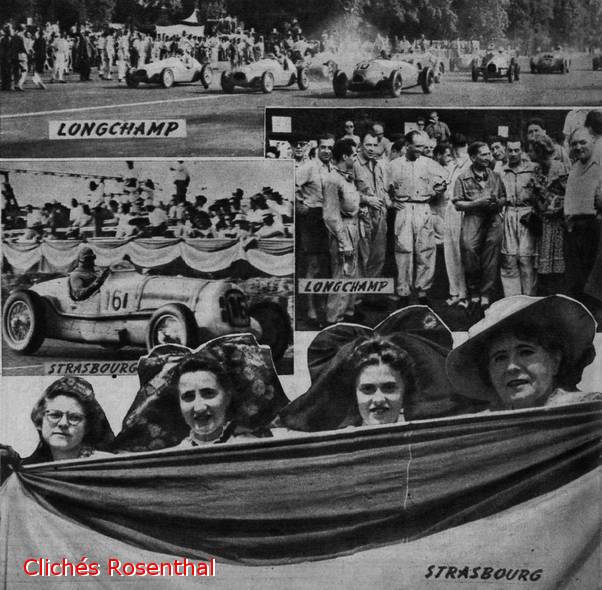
496	66
549	62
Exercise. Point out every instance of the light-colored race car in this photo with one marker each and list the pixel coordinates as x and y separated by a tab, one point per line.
320	66
265	75
548	62
389	76
135	309
170	71
495	66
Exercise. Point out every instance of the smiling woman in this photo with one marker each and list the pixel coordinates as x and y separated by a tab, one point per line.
526	352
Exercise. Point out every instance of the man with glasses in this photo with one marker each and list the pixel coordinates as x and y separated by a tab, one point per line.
415	181
350	133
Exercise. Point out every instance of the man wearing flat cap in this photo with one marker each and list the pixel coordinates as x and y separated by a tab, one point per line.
84	280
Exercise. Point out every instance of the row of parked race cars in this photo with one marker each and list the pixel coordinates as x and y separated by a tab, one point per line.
390	74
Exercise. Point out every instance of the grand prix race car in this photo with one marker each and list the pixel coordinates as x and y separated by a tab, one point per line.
134	309
170	71
389	76
495	66
548	62
427	59
266	74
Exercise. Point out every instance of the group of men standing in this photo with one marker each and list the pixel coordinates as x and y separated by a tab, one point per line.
364	198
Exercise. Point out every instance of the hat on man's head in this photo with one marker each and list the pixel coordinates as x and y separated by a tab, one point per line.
560	318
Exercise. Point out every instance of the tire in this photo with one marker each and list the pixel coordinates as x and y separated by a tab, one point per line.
23	322
167	78
510	74
267	82
303	78
339	84
395	84
426	80
206	76
173	323
516	72
533	68
475	74
226	83
131	81
275	325
565	67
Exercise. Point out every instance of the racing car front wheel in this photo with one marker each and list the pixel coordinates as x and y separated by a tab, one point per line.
173	323
227	83
206	76
167	78
511	73
131	81
302	78
475	74
275	327
427	80
395	84
339	84
23	322
267	82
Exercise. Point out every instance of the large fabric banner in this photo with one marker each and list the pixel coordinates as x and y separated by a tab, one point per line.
271	257
320	496
549	542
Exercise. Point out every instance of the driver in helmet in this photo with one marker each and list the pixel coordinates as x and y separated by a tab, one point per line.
84	279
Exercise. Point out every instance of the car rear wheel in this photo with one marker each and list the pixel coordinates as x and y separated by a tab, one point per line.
275	327
172	324
267	82
227	83
131	81
302	78
206	76
427	80
475	74
511	74
339	84
23	322
565	67
167	78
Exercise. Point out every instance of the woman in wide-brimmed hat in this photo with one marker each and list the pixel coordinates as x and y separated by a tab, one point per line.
526	352
362	376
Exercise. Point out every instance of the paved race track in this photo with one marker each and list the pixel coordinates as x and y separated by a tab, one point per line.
232	125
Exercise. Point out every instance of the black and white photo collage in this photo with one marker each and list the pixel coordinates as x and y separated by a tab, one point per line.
301	295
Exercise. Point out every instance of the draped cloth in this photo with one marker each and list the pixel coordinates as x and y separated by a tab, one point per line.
273	257
314	497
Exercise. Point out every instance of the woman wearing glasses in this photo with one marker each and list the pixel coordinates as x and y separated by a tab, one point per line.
70	423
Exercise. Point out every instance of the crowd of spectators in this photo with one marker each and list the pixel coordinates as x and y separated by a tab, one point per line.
36	51
138	212
514	214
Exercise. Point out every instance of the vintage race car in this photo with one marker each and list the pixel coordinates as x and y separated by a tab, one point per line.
265	75
170	71
135	309
548	62
495	66
389	76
